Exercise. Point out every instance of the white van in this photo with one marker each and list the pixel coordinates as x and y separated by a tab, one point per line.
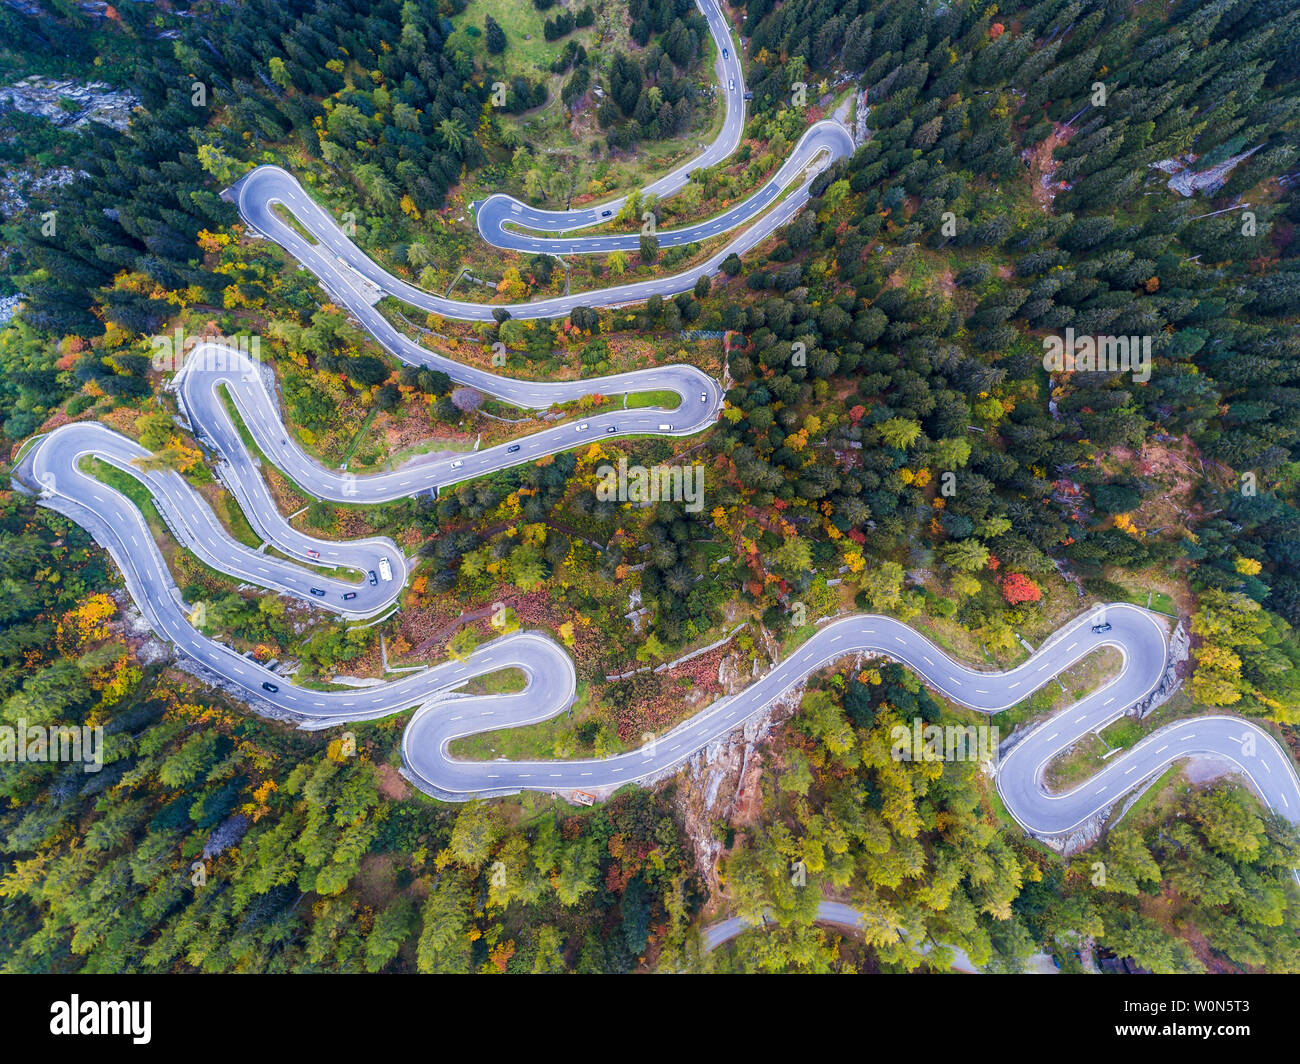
665	428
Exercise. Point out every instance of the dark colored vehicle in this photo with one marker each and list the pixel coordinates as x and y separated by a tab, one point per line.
270	687
374	580
512	448
318	592
724	54
612	428
606	214
349	594
1103	627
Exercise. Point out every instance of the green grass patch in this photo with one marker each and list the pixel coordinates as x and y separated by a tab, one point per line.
285	215
400	458
520	20
501	682
1080	679
563	737
1123	733
1163	603
1149	797
122	481
232	517
237	419
665	399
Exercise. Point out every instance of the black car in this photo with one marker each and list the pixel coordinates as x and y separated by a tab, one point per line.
1103	627
270	687
512	448
318	592
349	594
374	580
606	214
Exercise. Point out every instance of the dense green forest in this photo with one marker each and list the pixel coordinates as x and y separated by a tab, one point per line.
1020	178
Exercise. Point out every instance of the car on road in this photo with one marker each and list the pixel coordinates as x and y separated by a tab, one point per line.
374	580
612	428
270	687
1103	627
385	570
349	594
724	54
318	592
457	464
731	85
606	214
665	428
312	553
704	397
512	448
583	427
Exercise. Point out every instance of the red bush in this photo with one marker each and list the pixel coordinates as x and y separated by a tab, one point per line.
1017	588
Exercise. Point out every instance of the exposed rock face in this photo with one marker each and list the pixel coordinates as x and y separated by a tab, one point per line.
69	104
19	186
150	648
8	305
1188	182
721	783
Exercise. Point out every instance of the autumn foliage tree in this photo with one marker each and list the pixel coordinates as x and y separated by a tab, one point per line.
1018	588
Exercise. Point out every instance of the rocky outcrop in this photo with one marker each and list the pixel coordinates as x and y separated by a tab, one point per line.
721	782
8	304
1188	182
69	104
19	186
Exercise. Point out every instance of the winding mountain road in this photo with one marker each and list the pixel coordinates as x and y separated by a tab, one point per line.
503	221
500	210
54	466
839	914
443	714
